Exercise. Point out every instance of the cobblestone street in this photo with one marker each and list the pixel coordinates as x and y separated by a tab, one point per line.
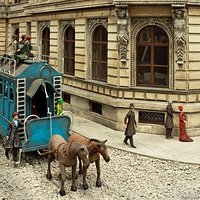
126	176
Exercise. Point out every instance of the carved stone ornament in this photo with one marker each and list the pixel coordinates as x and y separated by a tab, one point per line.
67	23
42	25
122	30
179	19
93	23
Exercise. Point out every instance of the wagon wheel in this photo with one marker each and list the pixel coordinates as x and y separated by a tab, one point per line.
26	121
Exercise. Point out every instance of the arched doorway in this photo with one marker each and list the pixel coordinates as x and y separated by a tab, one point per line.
46	43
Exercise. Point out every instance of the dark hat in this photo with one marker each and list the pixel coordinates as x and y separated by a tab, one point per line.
14	114
131	106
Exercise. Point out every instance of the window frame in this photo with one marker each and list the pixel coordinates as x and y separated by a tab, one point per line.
102	46
71	58
152	65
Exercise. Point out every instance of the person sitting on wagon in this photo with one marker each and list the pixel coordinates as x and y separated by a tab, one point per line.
14	46
12	137
25	52
59	107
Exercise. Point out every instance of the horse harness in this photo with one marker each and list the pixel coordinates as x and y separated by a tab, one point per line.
68	150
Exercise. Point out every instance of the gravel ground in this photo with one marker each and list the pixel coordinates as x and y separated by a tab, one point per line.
126	177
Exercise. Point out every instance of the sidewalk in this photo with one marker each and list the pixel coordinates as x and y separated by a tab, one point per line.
147	144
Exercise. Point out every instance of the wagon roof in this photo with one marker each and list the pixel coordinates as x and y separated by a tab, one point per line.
36	69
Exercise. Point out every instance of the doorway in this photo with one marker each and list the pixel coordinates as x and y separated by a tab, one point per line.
39	103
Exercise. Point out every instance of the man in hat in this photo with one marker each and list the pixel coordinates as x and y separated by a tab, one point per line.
59	107
130	125
169	124
12	137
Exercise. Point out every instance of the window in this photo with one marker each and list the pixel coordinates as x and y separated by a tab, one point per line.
1	86
95	107
99	54
152	57
28	28
11	92
69	50
45	43
151	117
66	97
6	89
17	1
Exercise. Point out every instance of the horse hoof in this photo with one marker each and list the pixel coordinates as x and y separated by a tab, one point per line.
62	193
98	183
49	176
85	187
73	188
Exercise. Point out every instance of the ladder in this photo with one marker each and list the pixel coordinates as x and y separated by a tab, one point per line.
21	104
57	81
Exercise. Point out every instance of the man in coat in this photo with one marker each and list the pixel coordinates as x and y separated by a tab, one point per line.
12	137
169	124
130	125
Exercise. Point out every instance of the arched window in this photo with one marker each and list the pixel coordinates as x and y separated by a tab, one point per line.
69	50
45	42
152	57
17	33
99	54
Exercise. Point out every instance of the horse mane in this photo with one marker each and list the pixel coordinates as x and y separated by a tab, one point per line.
94	140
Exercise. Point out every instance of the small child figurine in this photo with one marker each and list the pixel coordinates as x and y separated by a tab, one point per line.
130	125
59	107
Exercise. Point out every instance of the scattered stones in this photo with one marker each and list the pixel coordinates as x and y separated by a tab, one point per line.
126	176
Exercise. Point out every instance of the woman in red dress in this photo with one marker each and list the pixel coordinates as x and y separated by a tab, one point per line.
183	137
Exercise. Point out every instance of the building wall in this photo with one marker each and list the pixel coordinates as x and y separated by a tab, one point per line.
120	89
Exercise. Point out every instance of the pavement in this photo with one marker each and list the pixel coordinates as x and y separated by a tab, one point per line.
147	144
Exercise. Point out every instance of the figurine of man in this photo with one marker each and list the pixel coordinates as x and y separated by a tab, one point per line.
169	124
130	125
12	137
59	107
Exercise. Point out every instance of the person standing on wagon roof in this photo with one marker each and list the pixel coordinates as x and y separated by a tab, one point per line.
130	125
12	137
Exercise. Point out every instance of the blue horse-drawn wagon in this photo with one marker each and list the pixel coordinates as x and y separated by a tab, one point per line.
32	90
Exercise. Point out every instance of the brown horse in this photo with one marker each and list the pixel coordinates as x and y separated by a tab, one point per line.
66	153
95	148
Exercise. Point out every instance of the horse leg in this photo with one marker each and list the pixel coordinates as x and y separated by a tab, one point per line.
85	185
73	186
80	166
62	170
98	181
48	175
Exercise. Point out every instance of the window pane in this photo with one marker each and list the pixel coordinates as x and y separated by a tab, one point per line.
69	50
6	89
145	35
99	54
161	55
160	36
144	55
144	75
161	76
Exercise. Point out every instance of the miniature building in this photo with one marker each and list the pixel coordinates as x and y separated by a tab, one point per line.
117	52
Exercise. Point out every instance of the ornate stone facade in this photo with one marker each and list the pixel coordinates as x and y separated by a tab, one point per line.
123	20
